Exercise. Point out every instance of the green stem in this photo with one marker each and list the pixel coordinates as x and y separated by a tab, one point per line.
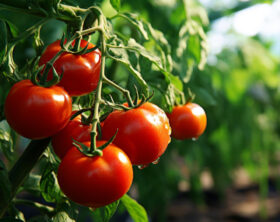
23	166
125	92
98	98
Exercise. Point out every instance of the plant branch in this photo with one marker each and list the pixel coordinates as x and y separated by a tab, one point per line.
125	92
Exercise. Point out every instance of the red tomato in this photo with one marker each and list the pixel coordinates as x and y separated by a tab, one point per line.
95	181
75	129
80	72
187	121
36	112
143	133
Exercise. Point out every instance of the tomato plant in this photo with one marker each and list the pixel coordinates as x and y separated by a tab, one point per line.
95	181
80	72
187	121
133	62
143	133
75	129
36	112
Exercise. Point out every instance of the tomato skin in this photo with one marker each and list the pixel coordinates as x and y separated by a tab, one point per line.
95	181
36	112
75	129
143	132
80	72
187	121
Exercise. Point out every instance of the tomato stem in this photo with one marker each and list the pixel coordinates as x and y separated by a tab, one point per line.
125	92
97	100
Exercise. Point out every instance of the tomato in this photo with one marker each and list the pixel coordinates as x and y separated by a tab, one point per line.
187	121
36	112
143	132
75	129
95	181
80	72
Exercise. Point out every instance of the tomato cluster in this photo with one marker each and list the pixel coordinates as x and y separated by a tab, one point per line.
142	132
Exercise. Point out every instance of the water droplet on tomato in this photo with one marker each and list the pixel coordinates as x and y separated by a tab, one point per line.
141	167
156	161
194	138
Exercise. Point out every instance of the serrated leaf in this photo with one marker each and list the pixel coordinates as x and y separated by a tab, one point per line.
135	21
192	49
3	41
116	4
49	185
62	217
135	210
104	214
120	55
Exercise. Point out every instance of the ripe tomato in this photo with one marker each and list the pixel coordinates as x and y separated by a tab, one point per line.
80	72
143	132
187	121
36	112
75	129
95	181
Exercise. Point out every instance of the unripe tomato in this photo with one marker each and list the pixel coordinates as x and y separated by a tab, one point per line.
187	121
75	129
143	132
80	72
95	181
36	112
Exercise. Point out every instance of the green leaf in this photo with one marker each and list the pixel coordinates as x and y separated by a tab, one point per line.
104	214
121	55
5	186
49	185
3	41
116	4
6	142
62	217
135	21
135	210
192	49
32	183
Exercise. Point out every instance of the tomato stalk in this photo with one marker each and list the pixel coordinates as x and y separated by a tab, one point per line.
18	173
98	95
125	92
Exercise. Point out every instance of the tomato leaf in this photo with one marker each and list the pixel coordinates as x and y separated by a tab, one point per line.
49	185
135	210
32	183
192	49
135	21
6	141
3	41
104	214
116	4
121	55
62	217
